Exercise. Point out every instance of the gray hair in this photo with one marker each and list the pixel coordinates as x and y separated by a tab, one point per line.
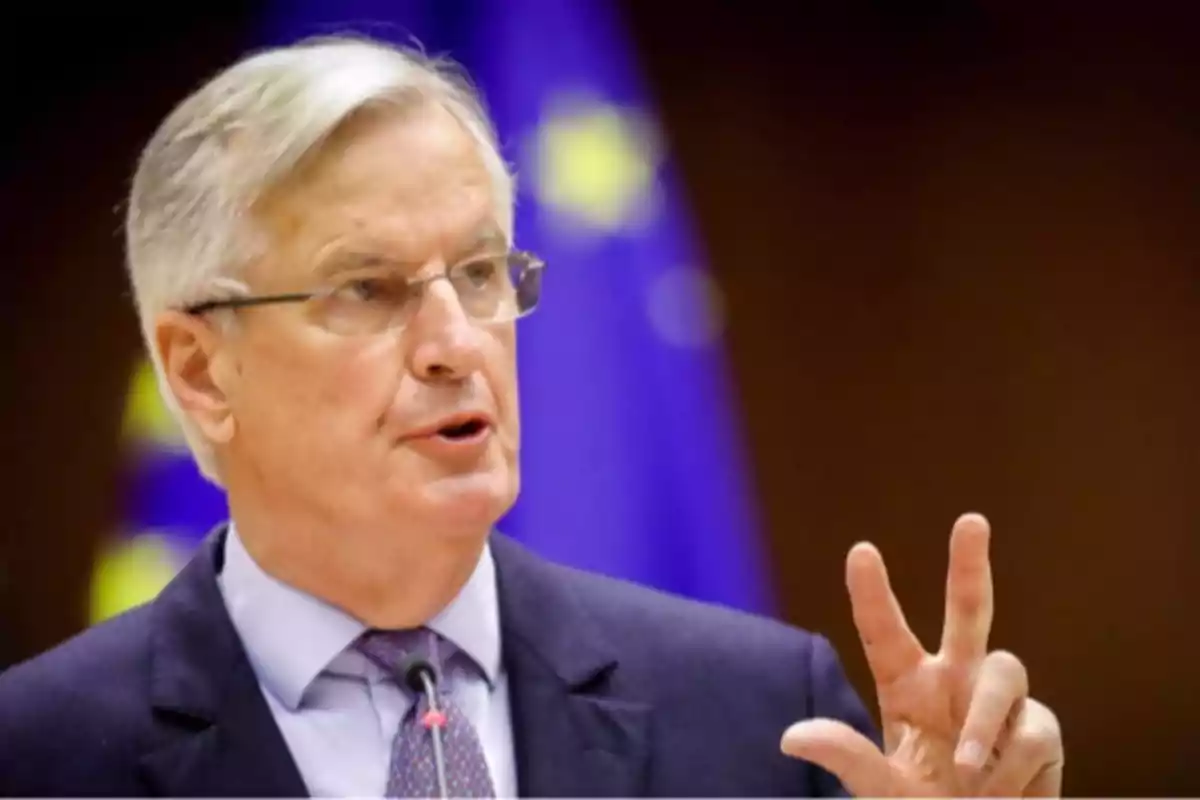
188	227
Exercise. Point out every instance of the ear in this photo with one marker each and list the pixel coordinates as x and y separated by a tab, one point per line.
199	368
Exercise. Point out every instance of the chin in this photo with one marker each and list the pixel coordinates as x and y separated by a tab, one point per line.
469	502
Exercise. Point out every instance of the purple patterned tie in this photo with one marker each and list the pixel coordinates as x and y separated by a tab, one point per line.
413	771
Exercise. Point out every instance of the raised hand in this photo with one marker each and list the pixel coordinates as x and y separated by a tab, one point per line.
956	722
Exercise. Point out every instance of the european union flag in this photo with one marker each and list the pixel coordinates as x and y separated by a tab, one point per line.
631	462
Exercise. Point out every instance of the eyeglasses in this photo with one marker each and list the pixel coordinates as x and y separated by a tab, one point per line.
491	289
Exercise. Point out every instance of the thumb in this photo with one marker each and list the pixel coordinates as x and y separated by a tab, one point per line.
839	749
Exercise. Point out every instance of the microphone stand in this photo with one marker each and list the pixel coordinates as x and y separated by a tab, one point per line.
435	720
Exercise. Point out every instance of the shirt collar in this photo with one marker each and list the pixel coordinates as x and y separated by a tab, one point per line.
292	636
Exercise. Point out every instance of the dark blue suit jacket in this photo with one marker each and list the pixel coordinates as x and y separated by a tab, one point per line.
616	690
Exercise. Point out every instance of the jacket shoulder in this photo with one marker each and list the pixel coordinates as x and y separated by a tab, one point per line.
76	709
689	627
693	646
727	679
97	655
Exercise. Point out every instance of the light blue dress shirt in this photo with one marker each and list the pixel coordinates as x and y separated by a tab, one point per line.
337	710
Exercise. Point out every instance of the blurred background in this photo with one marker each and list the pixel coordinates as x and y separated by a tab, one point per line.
820	272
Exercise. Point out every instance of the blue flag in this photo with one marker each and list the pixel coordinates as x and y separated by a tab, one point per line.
631	460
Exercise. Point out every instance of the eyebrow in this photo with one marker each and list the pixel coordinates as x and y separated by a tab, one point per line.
347	257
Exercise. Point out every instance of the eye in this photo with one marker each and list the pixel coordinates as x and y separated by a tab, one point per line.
369	290
480	273
363	289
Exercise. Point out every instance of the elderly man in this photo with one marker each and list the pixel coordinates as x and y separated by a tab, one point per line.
321	247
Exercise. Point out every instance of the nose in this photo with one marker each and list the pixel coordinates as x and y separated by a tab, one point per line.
445	345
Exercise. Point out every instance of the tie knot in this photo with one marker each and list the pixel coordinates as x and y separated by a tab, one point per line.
390	650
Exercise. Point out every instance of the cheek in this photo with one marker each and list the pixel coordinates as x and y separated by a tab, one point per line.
502	377
361	378
328	382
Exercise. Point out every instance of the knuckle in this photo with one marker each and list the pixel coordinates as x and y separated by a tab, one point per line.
1038	735
1008	665
1042	718
1037	743
993	696
970	599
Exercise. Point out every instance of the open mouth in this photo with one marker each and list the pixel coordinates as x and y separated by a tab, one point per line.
464	429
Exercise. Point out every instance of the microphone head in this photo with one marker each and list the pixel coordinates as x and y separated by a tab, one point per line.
413	668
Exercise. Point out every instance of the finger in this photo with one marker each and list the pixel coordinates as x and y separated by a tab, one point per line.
891	648
1031	762
968	592
1001	686
1047	783
842	751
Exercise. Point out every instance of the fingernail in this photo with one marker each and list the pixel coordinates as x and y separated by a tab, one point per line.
969	754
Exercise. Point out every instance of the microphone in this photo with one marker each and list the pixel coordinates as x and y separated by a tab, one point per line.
421	677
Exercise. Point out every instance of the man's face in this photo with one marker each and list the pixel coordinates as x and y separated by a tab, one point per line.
360	428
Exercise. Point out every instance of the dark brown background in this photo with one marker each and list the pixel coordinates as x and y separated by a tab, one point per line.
959	248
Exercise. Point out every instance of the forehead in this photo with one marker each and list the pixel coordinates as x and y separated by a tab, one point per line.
409	187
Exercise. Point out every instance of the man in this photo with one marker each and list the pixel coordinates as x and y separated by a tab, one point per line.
321	248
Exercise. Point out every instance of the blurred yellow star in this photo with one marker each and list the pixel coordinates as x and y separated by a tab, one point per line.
129	572
595	163
147	418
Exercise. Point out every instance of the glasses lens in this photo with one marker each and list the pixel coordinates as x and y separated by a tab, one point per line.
494	289
529	287
365	304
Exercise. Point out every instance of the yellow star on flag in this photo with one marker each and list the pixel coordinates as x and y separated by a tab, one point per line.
147	419
595	163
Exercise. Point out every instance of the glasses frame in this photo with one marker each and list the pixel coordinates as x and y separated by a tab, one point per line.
530	263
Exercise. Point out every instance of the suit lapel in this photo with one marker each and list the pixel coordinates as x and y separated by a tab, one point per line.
575	735
215	735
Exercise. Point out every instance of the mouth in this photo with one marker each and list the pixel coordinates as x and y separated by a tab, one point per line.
458	428
462	430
